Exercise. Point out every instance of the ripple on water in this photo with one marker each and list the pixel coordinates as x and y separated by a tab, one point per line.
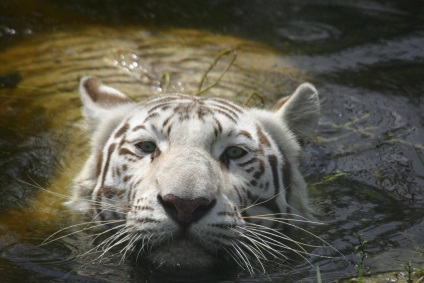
307	31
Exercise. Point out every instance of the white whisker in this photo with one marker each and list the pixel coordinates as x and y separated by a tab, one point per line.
305	231
88	226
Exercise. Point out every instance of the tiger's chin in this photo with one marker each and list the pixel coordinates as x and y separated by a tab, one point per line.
182	254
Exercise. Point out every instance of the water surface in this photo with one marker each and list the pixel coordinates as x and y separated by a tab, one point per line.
366	59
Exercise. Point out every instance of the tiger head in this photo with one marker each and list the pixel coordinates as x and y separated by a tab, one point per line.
183	179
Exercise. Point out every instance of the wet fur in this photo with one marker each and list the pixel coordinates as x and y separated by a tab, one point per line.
247	224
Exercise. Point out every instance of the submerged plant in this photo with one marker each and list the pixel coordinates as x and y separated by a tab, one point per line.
418	155
409	270
360	250
166	79
319	279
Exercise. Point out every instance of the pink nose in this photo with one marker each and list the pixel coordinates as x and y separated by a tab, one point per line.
185	211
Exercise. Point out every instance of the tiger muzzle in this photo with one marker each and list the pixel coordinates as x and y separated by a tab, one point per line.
188	183
185	211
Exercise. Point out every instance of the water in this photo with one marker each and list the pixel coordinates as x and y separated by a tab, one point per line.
366	60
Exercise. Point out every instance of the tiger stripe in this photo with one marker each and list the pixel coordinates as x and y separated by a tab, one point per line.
263	140
272	160
287	179
122	130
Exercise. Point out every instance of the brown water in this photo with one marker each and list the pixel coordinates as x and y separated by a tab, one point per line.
366	59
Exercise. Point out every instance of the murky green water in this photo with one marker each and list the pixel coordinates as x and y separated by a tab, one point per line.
366	59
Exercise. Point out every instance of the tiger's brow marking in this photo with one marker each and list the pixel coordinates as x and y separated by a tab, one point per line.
122	130
151	116
263	140
245	133
138	127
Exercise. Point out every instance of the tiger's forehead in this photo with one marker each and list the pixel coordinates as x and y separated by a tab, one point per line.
177	116
179	107
184	105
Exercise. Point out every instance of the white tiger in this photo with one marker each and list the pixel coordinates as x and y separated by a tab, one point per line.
183	180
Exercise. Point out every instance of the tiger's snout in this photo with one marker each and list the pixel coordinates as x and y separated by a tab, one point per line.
195	181
191	193
185	211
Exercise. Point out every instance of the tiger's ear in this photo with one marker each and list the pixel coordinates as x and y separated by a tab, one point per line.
300	111
98	100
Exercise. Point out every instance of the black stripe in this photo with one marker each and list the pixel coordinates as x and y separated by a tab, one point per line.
287	182
262	138
230	104
231	116
245	133
138	128
238	195
150	116
99	163
163	99
218	124
104	171
250	161
122	130
273	162
166	121
125	151
261	170
162	106
107	163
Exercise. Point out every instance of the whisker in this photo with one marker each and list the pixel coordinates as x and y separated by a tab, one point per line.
129	247
63	196
268	240
259	203
144	242
305	231
97	235
88	226
257	253
280	235
262	243
244	258
272	217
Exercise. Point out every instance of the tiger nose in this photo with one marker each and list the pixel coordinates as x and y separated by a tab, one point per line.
185	211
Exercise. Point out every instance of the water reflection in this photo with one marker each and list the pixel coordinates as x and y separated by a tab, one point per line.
365	58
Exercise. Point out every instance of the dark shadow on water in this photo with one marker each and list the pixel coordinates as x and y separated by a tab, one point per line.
144	272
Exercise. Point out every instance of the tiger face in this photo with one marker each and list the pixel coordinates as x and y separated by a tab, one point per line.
183	179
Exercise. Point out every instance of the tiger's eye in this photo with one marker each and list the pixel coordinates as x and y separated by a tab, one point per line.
146	146
234	152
